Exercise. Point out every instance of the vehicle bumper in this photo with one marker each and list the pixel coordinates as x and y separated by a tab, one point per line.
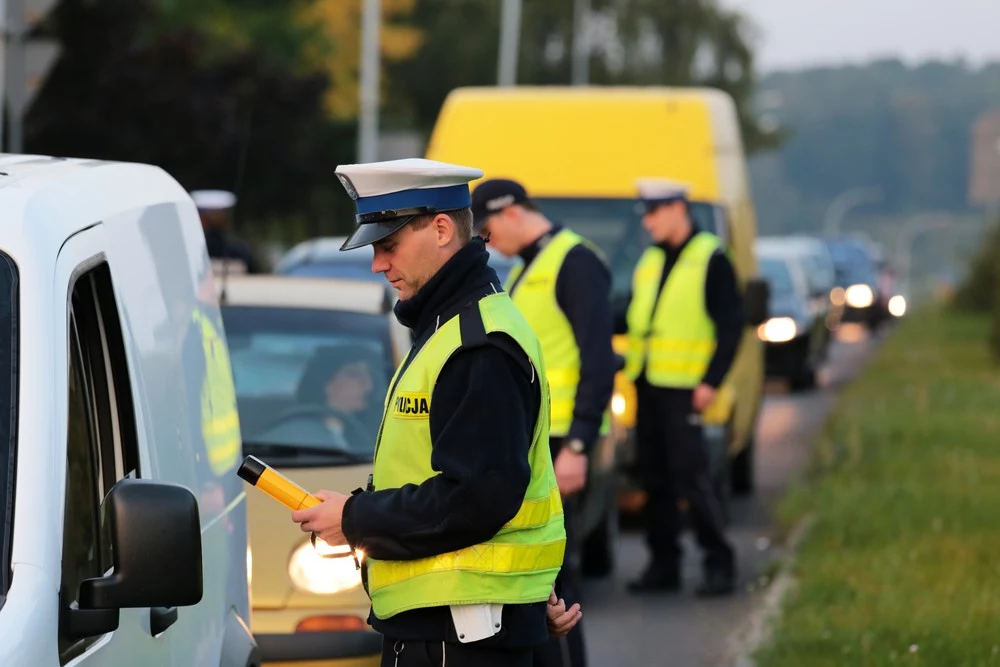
785	359
281	646
865	315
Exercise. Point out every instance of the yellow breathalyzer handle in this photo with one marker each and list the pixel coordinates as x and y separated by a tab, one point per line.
270	481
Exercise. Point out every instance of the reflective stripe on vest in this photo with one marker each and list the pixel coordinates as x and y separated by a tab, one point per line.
670	331
535	297
520	563
220	424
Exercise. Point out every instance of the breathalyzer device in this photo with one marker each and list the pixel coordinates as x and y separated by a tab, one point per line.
270	481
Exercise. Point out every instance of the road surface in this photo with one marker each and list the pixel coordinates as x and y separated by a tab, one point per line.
681	630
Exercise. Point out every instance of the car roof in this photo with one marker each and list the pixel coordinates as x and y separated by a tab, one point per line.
269	290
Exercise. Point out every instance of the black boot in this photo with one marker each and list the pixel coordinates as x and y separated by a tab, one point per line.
717	582
657	579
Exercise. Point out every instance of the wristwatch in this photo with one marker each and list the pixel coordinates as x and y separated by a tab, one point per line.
576	445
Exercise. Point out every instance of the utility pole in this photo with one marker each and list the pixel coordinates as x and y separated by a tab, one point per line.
581	43
371	25
3	67
510	33
23	62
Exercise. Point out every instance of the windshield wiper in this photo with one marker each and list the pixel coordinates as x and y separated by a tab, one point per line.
294	451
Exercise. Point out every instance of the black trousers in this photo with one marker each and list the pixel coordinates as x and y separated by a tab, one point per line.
396	653
568	651
673	464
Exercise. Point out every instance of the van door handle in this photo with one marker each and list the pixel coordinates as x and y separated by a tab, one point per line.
161	618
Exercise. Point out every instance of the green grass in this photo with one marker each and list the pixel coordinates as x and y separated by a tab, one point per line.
902	564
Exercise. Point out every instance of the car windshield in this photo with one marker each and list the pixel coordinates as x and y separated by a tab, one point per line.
851	264
8	408
310	384
615	226
777	275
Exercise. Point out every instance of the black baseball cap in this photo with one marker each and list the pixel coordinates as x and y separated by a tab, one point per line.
493	196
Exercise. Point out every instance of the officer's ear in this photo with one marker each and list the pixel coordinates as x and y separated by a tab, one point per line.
445	229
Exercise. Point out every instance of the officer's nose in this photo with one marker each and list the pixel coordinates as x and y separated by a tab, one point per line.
380	261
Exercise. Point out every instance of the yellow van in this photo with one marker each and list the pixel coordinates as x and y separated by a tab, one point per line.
578	151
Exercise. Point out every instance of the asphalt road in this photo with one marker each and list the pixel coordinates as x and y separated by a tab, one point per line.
681	630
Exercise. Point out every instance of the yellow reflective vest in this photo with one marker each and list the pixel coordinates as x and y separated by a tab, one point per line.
519	564
535	296
670	332
220	424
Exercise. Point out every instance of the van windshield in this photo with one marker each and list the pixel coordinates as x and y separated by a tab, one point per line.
615	226
8	408
310	384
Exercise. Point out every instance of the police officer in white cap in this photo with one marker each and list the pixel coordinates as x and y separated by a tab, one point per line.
685	320
229	255
461	524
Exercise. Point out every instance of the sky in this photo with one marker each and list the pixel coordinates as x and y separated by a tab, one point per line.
800	33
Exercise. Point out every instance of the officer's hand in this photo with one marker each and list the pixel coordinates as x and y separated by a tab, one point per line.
571	471
560	619
326	519
704	395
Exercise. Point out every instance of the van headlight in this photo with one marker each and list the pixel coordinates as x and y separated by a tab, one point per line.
313	573
777	330
859	296
618	405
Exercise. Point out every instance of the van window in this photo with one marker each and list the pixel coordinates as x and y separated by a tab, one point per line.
101	445
8	412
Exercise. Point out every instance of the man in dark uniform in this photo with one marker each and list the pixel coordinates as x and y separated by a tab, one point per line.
461	525
562	288
685	320
229	255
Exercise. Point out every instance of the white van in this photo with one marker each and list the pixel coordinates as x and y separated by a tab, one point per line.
123	536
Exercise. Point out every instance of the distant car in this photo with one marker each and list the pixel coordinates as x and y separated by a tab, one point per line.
795	332
857	281
821	274
312	359
322	257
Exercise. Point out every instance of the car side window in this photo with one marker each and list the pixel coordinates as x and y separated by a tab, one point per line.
101	445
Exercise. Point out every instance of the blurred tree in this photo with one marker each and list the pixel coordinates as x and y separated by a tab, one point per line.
340	22
241	121
649	42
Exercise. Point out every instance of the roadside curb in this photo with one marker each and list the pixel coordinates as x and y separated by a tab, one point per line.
756	630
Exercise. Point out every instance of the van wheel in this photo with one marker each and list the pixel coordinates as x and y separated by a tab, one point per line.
597	553
742	473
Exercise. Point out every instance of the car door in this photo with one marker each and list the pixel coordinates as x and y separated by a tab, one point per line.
98	427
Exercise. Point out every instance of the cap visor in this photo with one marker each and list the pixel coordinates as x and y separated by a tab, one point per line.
374	232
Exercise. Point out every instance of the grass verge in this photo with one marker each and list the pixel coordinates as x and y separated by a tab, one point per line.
902	563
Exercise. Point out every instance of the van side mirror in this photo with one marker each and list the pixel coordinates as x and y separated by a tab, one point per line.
755	301
155	533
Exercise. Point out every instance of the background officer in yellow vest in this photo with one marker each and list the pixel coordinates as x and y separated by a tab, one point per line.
563	289
461	524
685	318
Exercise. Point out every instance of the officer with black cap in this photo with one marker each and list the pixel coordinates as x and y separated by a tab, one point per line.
461	525
685	321
563	288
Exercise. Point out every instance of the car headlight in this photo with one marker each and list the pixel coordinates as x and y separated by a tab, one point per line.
859	296
837	296
777	330
897	305
618	405
313	573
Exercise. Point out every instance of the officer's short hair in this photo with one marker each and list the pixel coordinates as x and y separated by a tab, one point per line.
462	218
